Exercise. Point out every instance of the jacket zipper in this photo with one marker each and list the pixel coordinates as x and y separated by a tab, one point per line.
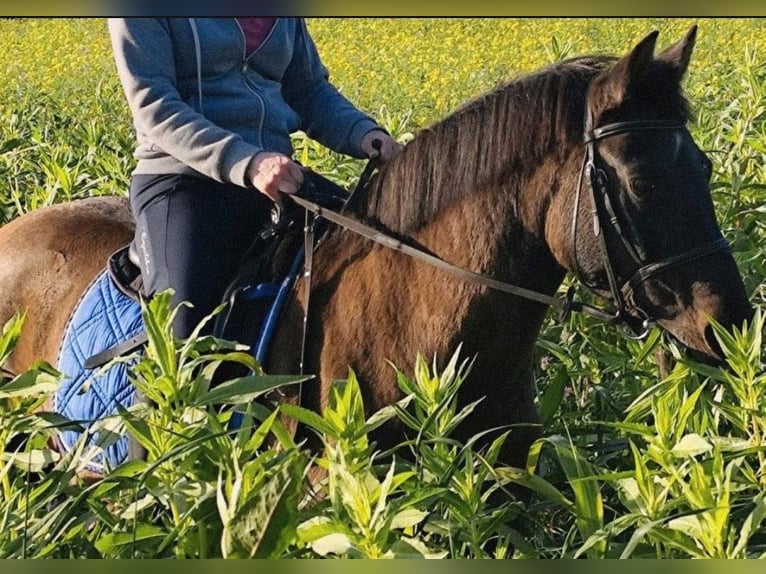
245	64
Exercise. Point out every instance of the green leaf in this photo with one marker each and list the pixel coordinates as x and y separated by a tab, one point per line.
128	469
108	544
688	408
10	336
689	524
678	540
336	543
550	401
691	445
649	345
139	429
34	460
266	523
45	420
408	518
611	531
537	484
589	506
157	321
751	526
405	550
318	527
41	379
11	144
307	417
382	416
246	389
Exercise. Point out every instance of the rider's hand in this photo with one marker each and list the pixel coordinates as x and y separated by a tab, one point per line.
388	148
272	173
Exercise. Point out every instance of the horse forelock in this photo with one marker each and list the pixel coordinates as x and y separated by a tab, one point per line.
499	137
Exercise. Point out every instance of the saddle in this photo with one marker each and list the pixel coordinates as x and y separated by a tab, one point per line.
269	260
107	323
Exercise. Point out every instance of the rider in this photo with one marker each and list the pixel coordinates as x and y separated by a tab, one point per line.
214	102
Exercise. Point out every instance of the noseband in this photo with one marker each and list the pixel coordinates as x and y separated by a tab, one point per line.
603	211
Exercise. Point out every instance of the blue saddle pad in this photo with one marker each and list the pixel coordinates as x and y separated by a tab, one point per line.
103	318
106	317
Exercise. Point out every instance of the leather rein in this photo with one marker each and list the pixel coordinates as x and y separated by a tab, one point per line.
603	213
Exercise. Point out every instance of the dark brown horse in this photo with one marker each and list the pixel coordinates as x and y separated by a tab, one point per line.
584	166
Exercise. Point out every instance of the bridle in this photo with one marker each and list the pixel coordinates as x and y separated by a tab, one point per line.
603	212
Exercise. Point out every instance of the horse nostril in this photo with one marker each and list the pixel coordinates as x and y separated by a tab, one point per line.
712	342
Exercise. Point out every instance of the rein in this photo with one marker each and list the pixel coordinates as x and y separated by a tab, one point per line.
565	305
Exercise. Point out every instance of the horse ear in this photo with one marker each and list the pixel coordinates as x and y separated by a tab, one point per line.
678	55
633	67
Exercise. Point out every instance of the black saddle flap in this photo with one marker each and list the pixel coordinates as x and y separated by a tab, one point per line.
125	274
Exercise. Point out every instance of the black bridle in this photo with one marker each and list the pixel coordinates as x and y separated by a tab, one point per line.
603	212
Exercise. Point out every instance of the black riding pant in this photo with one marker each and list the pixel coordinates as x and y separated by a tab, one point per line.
191	235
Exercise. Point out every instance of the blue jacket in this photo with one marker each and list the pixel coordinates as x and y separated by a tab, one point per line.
201	105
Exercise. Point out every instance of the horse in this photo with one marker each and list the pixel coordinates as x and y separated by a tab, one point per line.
585	166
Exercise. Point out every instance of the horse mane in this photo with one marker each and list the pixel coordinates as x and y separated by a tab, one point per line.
499	137
504	133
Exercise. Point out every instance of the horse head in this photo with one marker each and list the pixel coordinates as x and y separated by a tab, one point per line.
643	231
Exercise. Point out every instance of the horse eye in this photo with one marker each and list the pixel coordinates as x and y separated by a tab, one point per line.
642	185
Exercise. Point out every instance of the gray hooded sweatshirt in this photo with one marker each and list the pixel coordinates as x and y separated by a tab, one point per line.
202	105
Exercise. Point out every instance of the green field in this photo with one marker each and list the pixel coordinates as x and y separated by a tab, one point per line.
632	464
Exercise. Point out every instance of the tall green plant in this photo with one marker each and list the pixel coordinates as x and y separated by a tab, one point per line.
696	488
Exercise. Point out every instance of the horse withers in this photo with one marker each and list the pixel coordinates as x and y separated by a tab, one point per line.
584	166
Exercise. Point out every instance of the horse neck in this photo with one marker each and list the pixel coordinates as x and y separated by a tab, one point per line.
496	228
370	300
486	232
499	232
